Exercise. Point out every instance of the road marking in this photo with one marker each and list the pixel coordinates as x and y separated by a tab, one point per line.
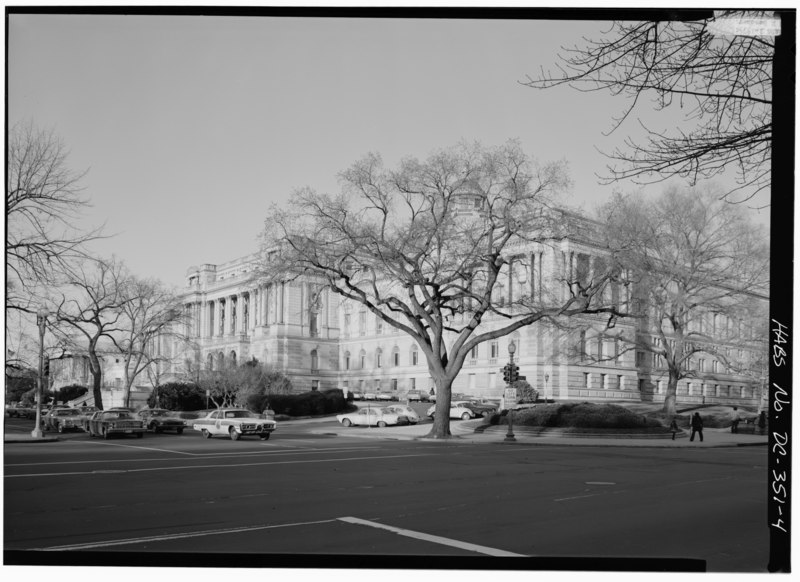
295	462
435	539
199	456
168	537
139	447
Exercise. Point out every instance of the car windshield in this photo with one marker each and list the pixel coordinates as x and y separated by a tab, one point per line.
159	413
240	414
116	415
68	412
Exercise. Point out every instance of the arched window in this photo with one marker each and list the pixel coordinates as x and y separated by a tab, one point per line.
414	356
378	358
347	360
210	362
314	361
233	358
362	357
396	356
220	361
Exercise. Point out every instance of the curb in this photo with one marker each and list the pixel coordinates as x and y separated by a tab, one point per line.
29	440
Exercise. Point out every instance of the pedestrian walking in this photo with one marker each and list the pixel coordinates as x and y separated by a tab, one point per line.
735	418
762	422
697	426
673	426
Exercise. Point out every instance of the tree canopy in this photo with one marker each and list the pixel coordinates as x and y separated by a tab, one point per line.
426	248
721	84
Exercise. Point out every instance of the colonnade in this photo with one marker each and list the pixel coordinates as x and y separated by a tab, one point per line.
238	313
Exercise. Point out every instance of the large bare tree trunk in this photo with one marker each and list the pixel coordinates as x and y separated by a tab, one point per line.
441	417
672	395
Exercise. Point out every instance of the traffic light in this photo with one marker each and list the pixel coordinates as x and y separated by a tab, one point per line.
513	373
507	374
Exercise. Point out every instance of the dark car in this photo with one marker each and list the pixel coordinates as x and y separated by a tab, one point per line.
61	419
160	419
106	423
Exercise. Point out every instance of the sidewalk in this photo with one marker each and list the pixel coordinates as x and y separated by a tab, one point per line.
464	432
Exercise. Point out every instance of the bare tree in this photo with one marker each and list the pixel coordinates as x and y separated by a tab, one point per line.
722	85
152	316
89	312
43	204
424	248
699	271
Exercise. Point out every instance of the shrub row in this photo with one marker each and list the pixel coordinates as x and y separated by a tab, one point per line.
582	415
305	404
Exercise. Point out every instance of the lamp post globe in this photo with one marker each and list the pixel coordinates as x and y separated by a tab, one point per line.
41	321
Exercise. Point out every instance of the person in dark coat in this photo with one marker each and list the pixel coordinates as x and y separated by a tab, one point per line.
673	426
697	426
762	422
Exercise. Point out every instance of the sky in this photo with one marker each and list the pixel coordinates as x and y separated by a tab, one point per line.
191	126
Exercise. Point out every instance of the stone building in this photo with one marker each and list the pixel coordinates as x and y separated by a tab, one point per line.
322	341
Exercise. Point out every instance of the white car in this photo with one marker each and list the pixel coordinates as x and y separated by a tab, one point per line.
235	423
371	417
406	411
456	411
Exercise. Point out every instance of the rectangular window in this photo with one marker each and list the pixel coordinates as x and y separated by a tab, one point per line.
396	358
314	384
414	358
659	386
473	353
379	326
587	380
582	346
394	384
603	384
620	383
413	383
715	366
495	349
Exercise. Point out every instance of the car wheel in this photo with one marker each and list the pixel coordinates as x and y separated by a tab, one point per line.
381	424
205	433
179	431
465	416
347	422
265	437
139	435
234	435
156	429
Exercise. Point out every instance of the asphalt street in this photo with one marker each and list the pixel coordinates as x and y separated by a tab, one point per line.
306	492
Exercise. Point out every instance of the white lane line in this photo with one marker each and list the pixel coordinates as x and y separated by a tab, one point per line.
168	537
435	539
225	466
139	447
198	456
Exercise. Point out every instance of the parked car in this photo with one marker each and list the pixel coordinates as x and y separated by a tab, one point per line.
431	397
456	411
61	419
86	413
404	410
372	417
370	396
235	423
384	396
106	423
476	407
160	419
19	411
357	395
417	396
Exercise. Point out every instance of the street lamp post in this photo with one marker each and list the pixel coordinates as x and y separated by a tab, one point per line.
512	348
41	320
546	378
